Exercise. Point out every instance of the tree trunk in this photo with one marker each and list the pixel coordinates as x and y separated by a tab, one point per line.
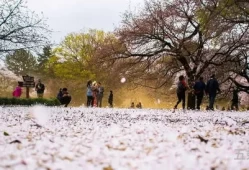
191	96
191	101
27	92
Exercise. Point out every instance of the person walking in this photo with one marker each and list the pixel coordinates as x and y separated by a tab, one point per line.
235	100
40	89
89	94
181	89
110	99
212	89
100	95
199	89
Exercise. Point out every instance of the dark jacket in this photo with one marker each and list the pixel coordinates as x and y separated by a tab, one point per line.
66	98
181	87
199	87
59	95
110	99
40	88
212	87
101	91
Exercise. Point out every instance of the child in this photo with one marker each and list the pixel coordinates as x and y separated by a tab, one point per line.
17	92
132	105
60	94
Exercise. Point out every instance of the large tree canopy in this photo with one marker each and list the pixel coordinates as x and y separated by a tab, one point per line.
235	11
168	37
43	59
21	62
78	59
73	58
20	28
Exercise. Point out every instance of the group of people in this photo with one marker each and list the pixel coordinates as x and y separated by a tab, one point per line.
64	97
95	94
138	106
39	88
200	89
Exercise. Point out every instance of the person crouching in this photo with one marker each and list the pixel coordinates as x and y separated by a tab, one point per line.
64	97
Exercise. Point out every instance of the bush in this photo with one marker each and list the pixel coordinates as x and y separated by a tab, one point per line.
29	102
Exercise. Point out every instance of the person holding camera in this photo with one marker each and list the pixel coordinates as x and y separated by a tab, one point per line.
39	88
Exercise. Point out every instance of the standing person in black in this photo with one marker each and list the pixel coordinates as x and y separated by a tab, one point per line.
199	89
212	89
235	100
110	99
40	89
181	88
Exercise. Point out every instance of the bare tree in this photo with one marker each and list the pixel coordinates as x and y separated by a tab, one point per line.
239	72
236	12
20	28
169	37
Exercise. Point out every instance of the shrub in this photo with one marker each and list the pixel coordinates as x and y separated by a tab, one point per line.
28	102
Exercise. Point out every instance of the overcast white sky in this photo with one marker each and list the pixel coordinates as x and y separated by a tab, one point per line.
66	16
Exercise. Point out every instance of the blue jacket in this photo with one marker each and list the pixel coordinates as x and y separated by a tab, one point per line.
199	87
89	91
181	87
59	95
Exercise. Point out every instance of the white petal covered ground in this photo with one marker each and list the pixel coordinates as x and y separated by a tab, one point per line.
107	139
